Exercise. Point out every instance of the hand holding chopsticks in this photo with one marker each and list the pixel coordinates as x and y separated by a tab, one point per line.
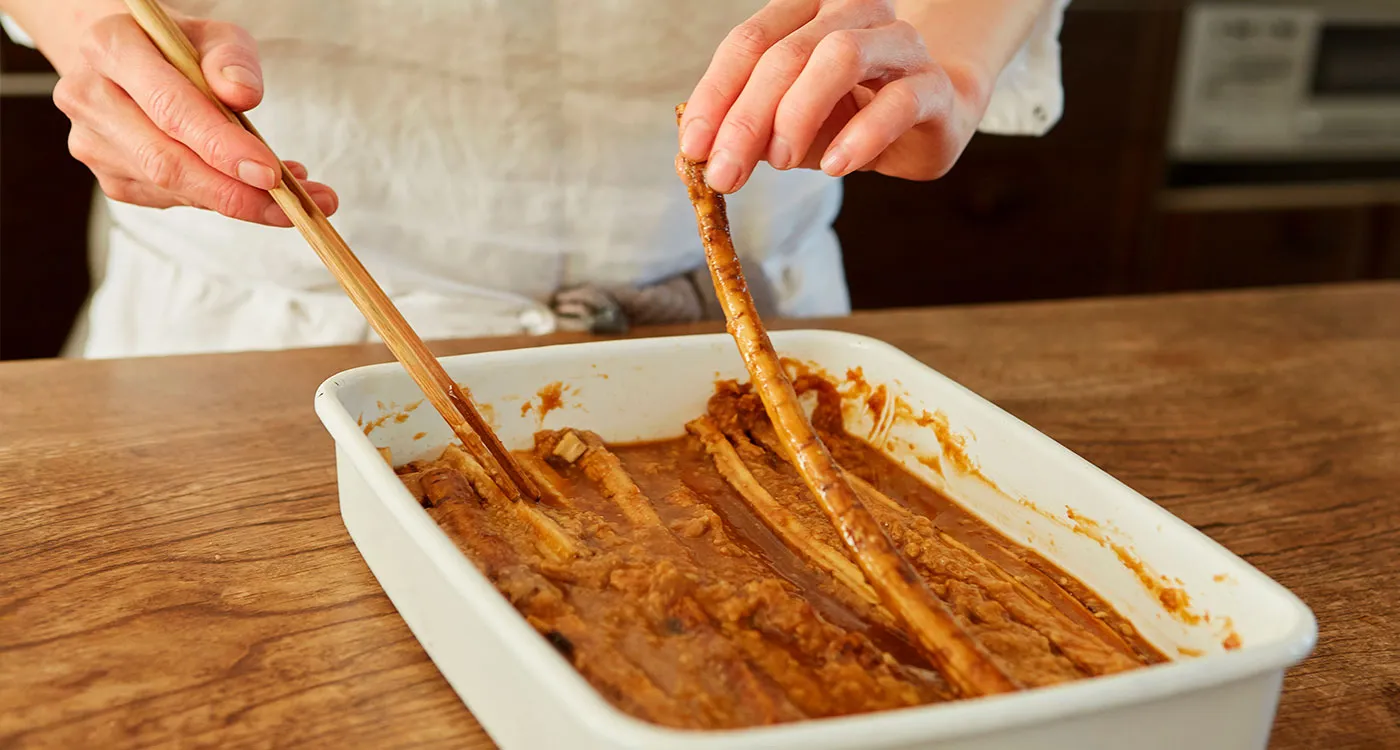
450	400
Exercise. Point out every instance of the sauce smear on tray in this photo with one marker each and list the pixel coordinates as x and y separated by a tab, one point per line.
696	583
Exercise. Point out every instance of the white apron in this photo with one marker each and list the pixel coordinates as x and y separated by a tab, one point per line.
487	153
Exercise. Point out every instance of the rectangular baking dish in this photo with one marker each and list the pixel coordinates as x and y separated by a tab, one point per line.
1132	553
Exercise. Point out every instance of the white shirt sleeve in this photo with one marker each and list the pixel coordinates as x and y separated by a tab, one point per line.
1028	98
13	30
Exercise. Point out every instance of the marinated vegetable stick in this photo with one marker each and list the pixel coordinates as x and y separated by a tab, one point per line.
1106	653
964	662
552	540
775	632
454	456
868	492
605	468
543	477
663	594
1101	651
413	482
774	515
1094	655
445	485
548	611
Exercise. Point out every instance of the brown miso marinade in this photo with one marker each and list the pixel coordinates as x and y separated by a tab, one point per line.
774	514
1018	649
946	562
1022	570
994	583
702	590
682	606
1082	636
460	513
508	553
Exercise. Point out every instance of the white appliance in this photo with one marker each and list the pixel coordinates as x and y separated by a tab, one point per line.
1288	81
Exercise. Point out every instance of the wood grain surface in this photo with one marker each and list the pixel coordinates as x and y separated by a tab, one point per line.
174	571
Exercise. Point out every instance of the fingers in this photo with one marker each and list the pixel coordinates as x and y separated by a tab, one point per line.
297	169
141	192
837	84
229	58
144	152
744	137
137	163
731	67
841	61
920	100
325	198
323	195
841	114
119	50
153	139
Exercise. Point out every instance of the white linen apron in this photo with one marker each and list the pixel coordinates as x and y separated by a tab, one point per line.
487	153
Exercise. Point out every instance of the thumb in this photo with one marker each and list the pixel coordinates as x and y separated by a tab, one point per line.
229	58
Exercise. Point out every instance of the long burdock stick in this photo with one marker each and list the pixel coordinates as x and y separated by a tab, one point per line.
962	660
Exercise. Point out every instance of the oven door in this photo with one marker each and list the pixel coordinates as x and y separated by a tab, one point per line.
1353	95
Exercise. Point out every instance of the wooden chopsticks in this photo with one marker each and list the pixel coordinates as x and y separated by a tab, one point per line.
961	659
450	400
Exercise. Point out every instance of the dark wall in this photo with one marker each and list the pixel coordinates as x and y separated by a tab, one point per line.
44	201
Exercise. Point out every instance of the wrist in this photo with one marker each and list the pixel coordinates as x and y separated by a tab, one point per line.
973	40
973	82
57	26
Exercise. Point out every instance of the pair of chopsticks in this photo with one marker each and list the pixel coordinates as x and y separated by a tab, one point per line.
450	400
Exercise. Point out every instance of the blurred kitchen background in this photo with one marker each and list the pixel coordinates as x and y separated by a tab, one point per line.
1205	145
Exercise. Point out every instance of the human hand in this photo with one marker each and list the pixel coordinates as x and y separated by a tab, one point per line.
840	85
153	139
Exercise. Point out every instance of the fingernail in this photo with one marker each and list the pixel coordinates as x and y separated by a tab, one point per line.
780	154
836	161
258	175
242	76
273	215
693	136
721	172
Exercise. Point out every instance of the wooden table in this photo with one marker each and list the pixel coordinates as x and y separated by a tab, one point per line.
173	568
